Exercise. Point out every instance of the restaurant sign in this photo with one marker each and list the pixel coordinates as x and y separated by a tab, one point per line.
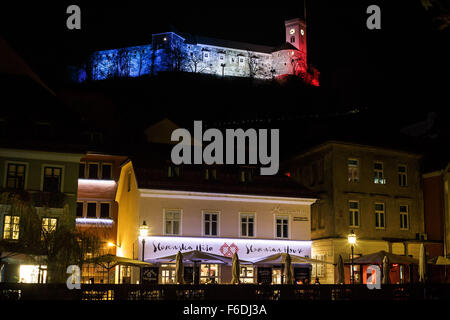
247	249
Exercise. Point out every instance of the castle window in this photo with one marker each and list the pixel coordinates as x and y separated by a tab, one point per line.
292	39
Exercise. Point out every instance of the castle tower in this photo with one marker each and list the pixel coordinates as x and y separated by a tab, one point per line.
296	35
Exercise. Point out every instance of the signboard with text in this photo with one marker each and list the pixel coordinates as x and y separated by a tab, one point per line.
247	249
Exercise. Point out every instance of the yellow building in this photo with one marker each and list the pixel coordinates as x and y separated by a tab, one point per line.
374	192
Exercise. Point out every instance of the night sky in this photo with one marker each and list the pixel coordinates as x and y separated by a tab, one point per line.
400	66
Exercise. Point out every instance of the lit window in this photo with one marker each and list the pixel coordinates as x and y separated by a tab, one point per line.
48	226
210	222
172	222
209	273
402	176
246	175
353	170
16	176
378	173
379	215
210	174
52	179
11	227
318	269
353	213
247	274
404	217
247	225
282	227
173	171
168	273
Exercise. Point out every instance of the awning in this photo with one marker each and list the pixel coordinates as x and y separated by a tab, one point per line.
440	261
377	258
199	257
280	258
108	261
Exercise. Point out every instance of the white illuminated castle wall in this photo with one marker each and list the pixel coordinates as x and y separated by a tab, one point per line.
190	53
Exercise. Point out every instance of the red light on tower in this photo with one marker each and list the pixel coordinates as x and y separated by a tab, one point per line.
288	174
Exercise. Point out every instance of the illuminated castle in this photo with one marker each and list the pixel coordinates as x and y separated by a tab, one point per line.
175	51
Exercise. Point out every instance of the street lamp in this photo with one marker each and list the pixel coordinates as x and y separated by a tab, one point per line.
143	232
352	241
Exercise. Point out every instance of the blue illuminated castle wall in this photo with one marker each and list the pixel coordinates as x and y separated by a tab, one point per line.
189	53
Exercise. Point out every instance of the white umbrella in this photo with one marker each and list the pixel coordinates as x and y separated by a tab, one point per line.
236	270
422	263
386	270
179	269
288	269
341	275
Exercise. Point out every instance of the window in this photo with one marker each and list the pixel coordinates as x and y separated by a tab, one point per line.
315	173
16	176
93	170
105	210
168	273
106	171
353	170
282	227
353	213
318	269
172	222
91	209
222	57
378	173
82	170
233	60
247	225
246	175
241	61
79	209
209	273
379	215
293	39
210	222
247	274
404	217
129	181
402	176
11	227
210	174
48	226
52	179
321	171
205	55
173	171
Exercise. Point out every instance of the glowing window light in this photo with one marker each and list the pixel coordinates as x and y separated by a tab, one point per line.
30	273
93	221
96	182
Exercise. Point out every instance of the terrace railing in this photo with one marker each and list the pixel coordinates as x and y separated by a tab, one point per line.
244	292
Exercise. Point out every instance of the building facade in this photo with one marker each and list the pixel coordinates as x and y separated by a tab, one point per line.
175	51
47	180
436	202
97	209
207	214
374	192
